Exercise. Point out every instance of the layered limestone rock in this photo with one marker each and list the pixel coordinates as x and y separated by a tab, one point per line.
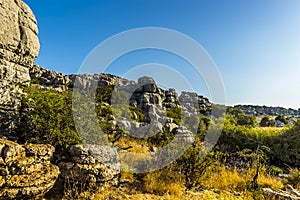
19	46
26	171
87	169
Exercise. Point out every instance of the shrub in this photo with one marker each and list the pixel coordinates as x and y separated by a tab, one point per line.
175	114
265	122
238	117
47	118
294	178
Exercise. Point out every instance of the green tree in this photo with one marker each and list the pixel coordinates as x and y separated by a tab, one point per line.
238	117
265	122
282	119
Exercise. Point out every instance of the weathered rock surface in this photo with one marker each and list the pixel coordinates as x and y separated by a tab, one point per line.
88	169
19	46
26	171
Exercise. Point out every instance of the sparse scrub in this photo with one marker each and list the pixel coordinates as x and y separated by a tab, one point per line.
165	181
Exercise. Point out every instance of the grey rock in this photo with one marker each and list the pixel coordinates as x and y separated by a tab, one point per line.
89	168
19	46
291	194
183	134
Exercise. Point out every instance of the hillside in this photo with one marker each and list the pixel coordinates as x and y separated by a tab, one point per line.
268	110
99	136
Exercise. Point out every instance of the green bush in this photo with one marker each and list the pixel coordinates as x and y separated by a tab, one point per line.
274	171
238	117
285	147
175	114
47	118
265	122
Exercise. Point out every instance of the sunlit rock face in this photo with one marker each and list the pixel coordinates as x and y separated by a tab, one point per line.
19	47
26	171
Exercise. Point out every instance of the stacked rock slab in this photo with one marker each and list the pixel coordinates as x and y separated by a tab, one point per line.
88	169
25	170
19	46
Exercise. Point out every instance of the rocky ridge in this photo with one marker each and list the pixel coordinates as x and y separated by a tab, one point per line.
144	94
268	111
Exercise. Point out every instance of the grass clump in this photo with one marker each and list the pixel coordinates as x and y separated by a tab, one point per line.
165	181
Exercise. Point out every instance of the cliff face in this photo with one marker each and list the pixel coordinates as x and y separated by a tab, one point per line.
19	46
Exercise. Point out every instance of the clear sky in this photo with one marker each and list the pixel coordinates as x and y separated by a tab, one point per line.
254	43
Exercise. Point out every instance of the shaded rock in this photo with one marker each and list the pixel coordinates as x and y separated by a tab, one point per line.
169	126
88	169
26	171
171	98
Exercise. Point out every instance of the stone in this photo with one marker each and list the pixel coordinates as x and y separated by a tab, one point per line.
25	170
89	169
184	134
19	47
148	84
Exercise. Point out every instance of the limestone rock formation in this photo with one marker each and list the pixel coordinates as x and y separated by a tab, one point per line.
26	171
88	169
19	46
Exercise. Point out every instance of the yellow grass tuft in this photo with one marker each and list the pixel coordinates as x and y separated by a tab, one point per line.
270	182
164	181
224	179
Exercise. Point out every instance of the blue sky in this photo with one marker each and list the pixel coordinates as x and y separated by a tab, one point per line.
254	43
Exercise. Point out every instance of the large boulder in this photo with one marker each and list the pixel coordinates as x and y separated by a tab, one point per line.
87	170
26	171
19	46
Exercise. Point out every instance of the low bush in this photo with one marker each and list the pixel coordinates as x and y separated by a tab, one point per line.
47	118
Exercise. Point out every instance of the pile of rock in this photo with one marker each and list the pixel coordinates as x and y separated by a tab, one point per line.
26	171
87	170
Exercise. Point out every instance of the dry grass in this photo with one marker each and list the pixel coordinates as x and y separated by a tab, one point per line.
231	180
127	193
224	179
211	195
164	181
127	176
270	182
136	145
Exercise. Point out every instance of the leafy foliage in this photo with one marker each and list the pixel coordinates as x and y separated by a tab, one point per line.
282	119
265	122
238	117
47	118
175	114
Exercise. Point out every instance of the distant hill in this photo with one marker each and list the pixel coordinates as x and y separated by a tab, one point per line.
268	110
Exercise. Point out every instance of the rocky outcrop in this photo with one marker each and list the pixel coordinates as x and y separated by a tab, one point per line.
88	169
268	111
26	171
19	46
47	78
